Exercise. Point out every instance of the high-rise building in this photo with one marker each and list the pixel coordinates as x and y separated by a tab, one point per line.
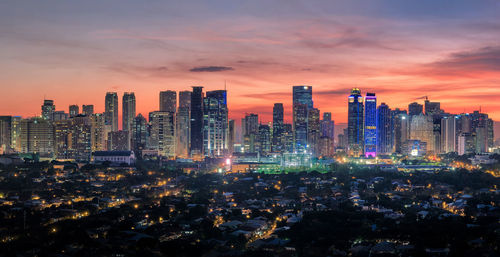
81	138
370	127
15	134
385	135
184	124
48	109
491	133
111	110
277	127
302	102
162	135
5	134
448	134
231	137
327	138
139	134
264	144
421	128
287	138
197	121
313	131
415	109
59	115
128	111
99	132
432	108
250	130
119	140
168	101
215	123
355	123
466	143
400	128
37	136
88	109
74	110
63	139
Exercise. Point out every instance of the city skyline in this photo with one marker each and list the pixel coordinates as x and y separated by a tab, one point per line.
447	51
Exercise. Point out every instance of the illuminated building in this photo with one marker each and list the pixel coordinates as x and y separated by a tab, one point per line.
88	109
81	138
277	128
99	132
466	143
5	133
327	137
355	123
415	109
162	135
196	148
414	148
119	140
287	138
111	110
48	109
37	136
74	110
385	130
231	137
448	134
264	139
370	129
250	130
313	132
139	134
421	128
302	102
184	124
215	123
59	115
128	111
168	101
401	128
432	108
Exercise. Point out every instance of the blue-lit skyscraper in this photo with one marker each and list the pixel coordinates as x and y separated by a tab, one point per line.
302	102
355	123
370	125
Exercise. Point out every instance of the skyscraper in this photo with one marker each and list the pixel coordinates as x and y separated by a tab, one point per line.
448	134
313	131
327	138
74	110
355	123
48	109
277	127
231	137
264	139
215	123
5	133
370	135
385	135
111	110
88	109
415	109
184	124
128	111
162	137
139	134
400	128
302	102
432	108
168	101
250	130
197	121
421	128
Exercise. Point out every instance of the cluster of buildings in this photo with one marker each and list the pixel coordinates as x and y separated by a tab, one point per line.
422	129
195	125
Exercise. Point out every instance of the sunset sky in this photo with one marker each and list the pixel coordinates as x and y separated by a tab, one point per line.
75	51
